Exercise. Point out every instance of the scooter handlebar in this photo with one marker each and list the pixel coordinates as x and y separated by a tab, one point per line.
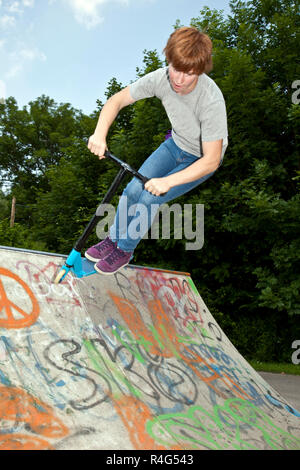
126	167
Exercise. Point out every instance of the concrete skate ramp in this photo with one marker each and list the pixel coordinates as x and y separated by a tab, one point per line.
130	361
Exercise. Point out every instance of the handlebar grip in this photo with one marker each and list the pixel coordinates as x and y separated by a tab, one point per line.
144	179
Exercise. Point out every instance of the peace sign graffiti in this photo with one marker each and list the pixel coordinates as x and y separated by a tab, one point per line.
11	315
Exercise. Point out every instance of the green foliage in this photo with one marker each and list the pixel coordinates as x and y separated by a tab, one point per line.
19	236
4	206
248	270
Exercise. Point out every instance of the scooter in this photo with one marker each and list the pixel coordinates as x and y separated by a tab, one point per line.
80	266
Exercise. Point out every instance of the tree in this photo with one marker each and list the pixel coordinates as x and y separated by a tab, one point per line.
4	206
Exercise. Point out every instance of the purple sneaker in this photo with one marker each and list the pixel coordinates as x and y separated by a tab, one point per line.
116	260
101	250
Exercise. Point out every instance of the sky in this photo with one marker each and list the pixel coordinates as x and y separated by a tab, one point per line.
70	49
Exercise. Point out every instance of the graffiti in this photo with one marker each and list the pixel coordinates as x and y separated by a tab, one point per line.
167	343
112	371
135	415
177	297
11	310
281	404
139	351
162	340
41	279
87	382
200	428
21	411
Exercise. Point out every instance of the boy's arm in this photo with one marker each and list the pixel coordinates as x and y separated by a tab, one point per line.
209	163
109	112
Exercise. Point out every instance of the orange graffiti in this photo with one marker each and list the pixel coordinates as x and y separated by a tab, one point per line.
21	319
160	342
134	415
23	442
164	328
193	362
20	407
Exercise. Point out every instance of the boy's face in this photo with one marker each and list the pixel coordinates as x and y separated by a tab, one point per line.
182	83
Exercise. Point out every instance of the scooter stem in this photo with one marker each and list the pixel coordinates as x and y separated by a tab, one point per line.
125	168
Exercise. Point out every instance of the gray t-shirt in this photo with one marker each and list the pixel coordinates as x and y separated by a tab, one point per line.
200	113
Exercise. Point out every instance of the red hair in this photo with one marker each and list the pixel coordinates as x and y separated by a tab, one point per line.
189	50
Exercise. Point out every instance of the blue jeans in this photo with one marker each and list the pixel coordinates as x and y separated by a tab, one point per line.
136	204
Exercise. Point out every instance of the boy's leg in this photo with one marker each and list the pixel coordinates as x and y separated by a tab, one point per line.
145	209
159	163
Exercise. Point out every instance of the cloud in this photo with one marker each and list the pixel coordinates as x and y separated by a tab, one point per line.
87	12
16	54
19	59
14	7
7	21
28	3
11	10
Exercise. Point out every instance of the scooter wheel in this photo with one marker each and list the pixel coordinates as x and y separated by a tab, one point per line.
59	276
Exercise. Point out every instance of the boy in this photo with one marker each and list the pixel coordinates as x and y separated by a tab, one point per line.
196	109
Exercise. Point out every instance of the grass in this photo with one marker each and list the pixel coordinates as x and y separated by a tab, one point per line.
275	368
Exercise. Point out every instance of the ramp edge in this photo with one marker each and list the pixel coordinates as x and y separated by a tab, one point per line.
132	266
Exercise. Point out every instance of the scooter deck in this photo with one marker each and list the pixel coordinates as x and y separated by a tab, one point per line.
80	266
87	267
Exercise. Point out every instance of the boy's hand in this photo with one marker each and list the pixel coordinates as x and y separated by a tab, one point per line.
157	186
97	146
